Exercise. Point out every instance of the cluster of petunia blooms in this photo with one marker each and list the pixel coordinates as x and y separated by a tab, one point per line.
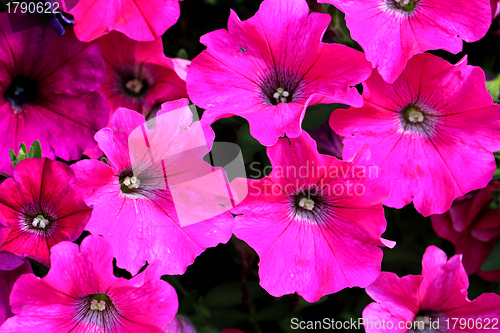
423	131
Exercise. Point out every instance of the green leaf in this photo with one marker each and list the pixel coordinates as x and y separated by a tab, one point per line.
23	148
186	304
104	159
182	53
493	87
35	150
12	155
23	154
496	175
248	144
493	261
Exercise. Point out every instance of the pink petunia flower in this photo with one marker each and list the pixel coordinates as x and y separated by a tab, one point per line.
41	207
391	32
7	279
48	92
315	221
133	204
8	260
473	227
435	301
139	20
269	68
81	294
427	131
138	75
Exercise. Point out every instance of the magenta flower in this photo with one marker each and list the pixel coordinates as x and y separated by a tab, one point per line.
139	20
132	203
393	31
427	131
7	279
473	227
48	92
315	221
138	75
269	68
435	301
8	260
42	207
81	294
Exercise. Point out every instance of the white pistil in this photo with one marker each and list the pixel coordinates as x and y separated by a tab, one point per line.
18	90
94	305
423	319
132	182
134	85
306	203
281	95
40	222
415	116
403	2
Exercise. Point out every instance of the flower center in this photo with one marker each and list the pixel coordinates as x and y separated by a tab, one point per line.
414	116
417	117
136	87
38	218
281	96
306	203
310	204
403	5
97	310
97	305
428	322
131	182
22	90
40	222
280	86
